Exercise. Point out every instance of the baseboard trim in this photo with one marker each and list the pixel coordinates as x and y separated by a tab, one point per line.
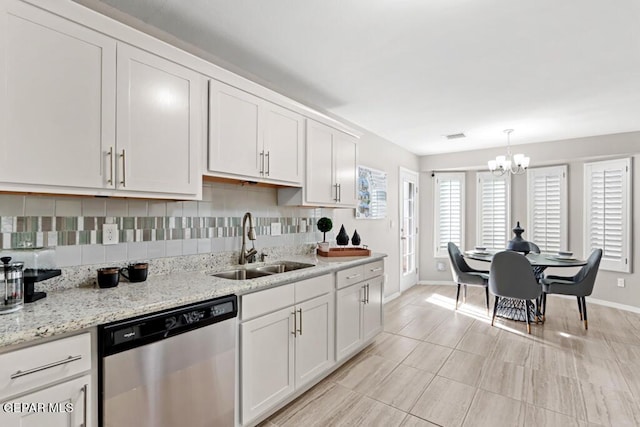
391	297
436	282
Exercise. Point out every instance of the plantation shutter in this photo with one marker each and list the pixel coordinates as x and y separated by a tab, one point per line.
547	210
493	199
449	211
608	212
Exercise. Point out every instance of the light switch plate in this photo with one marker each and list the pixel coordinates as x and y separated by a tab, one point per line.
276	229
620	282
109	234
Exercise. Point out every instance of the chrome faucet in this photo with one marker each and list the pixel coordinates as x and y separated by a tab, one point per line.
247	255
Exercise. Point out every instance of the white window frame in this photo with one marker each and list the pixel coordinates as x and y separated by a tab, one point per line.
483	176
559	172
623	262
449	176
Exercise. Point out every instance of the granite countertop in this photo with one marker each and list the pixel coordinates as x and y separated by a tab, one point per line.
74	309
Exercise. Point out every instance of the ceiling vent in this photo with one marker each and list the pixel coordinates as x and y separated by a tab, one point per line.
456	136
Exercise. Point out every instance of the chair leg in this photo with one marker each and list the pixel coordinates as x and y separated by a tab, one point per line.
464	294
580	306
544	305
486	292
495	308
584	312
526	316
457	296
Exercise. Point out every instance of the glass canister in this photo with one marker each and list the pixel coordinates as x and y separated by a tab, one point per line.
12	278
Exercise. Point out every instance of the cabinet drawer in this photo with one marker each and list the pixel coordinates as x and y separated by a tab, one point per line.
350	276
266	301
374	269
32	367
310	288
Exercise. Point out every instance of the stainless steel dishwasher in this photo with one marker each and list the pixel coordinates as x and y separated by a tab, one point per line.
171	368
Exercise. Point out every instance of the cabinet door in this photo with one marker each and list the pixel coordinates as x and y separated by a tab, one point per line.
315	338
57	100
235	131
372	309
283	136
266	362
344	147
319	185
348	320
159	118
64	405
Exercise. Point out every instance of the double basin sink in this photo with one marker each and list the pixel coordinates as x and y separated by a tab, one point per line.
245	273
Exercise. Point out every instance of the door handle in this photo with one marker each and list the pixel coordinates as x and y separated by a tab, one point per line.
84	405
364	294
339	192
300	329
110	154
262	162
295	324
268	168
124	169
335	199
367	293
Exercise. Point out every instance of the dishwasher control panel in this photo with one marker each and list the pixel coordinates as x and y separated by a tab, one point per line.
123	335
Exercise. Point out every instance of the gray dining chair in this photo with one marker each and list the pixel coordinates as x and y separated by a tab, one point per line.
580	285
511	276
464	275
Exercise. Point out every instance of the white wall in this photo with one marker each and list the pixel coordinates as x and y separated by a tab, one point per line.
575	153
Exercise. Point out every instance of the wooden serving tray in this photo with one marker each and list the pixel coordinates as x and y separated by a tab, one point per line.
333	252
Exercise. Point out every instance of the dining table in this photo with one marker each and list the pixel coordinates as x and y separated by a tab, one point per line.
511	308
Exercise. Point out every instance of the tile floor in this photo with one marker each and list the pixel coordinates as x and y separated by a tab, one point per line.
433	366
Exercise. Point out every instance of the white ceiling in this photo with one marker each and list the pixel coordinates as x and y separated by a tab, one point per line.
412	71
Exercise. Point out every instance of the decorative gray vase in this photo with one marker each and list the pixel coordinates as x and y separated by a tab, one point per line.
355	239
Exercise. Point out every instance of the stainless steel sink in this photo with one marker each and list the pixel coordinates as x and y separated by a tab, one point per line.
261	271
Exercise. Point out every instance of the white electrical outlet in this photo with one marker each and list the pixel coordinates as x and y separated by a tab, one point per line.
109	234
620	282
276	229
440	266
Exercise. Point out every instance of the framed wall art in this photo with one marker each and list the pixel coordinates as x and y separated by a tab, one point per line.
371	193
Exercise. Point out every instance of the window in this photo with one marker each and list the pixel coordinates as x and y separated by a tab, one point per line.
547	207
493	201
607	210
449	211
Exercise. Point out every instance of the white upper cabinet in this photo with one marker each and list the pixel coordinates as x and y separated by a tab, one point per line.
65	89
159	119
330	175
57	101
250	138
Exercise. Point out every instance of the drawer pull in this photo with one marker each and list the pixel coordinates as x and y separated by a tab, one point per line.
69	359
353	277
295	324
376	269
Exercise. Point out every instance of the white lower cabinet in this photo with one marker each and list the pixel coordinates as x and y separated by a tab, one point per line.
358	315
48	384
63	405
285	350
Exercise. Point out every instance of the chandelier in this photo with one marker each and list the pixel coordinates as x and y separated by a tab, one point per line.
515	164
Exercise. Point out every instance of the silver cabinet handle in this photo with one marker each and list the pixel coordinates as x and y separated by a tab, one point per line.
300	330
69	359
262	162
124	169
268	168
295	324
335	199
339	192
84	404
376	269
353	277
110	154
364	294
367	298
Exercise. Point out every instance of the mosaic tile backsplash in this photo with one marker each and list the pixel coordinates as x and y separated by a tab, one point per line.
50	231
